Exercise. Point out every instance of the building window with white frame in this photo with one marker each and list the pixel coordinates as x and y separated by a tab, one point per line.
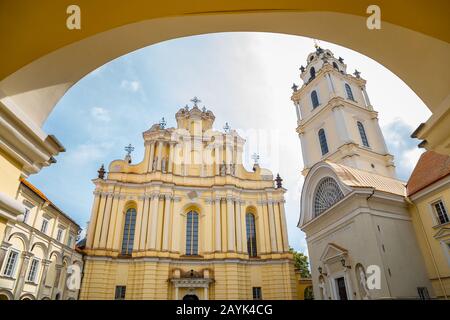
349	92
33	270
440	212
70	241
120	293
59	235
11	263
44	225
26	214
257	293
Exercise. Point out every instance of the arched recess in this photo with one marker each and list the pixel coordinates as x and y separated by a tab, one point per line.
259	235
27	296
198	209
23	239
42	246
315	175
6	295
40	77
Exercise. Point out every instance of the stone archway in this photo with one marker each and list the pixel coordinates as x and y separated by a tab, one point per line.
35	75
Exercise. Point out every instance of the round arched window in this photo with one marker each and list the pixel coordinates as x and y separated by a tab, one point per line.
327	194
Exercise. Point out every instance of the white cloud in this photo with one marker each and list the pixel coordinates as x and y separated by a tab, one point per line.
133	86
100	114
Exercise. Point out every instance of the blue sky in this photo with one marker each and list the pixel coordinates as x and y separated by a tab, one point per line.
244	78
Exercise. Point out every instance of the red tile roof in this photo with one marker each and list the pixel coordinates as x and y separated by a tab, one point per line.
430	168
41	195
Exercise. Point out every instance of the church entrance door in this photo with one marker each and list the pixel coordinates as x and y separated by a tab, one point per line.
190	297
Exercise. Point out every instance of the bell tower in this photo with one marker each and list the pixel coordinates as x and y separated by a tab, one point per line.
336	120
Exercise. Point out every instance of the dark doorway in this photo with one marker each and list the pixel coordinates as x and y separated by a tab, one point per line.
342	291
190	297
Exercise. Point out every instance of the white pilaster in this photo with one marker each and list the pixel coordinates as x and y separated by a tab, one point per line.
231	225
217	224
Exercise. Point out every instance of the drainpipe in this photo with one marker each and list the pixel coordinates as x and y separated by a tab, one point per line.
409	201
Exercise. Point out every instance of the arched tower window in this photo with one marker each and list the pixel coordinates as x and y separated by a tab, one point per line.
192	233
314	99
128	231
327	194
349	92
335	65
362	133
323	142
251	234
312	73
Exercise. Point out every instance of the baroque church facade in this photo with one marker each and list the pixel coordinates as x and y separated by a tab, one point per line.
353	208
188	222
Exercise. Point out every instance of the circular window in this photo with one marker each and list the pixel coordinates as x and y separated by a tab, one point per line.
327	194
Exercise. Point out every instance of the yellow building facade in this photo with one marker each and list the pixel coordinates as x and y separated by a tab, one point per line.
188	222
429	197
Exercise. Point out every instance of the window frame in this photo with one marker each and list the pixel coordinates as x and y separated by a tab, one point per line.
363	134
349	92
59	234
120	293
13	268
35	270
192	233
316	96
45	222
323	143
252	246
438	221
131	230
257	293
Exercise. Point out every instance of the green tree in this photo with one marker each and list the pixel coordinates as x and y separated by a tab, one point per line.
301	263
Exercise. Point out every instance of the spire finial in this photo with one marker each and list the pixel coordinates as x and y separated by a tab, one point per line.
101	172
129	149
316	45
195	100
294	87
163	123
278	180
227	128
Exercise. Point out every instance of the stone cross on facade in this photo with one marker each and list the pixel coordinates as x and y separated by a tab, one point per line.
163	123
195	100
129	149
227	128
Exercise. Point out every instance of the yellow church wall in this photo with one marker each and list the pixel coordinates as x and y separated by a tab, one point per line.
10	174
437	260
150	280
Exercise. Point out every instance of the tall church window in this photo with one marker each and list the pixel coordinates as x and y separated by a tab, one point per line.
362	133
192	234
335	65
327	194
323	142
128	231
349	92
441	212
312	73
251	234
314	99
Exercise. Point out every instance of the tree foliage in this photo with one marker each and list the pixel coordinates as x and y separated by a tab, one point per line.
301	263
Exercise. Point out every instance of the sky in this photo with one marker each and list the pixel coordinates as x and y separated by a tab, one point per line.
245	79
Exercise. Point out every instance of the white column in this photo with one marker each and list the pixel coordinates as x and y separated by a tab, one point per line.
304	146
153	222
217	159
167	222
217	223
238	226
341	125
366	97
145	219
231	225
330	85
105	223
284	226
170	169
297	110
152	154
176	293
273	236
160	147
205	291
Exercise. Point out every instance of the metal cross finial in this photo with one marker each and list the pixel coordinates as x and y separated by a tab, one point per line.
255	157
204	109
162	123
227	127
294	87
195	100
316	45
129	149
357	73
